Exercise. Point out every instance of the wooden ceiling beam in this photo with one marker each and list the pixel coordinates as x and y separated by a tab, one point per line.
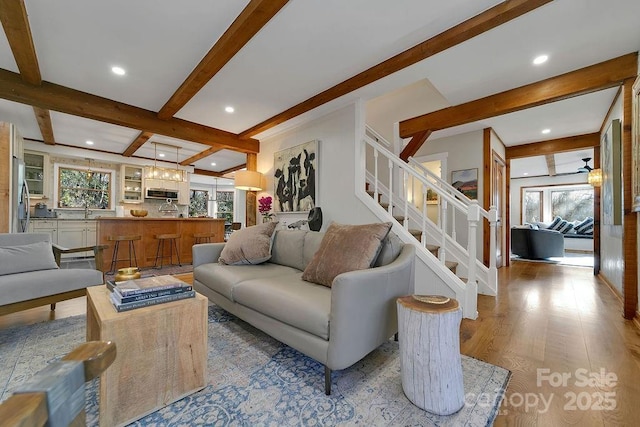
559	145
416	141
485	21
202	155
254	16
44	122
65	100
13	15
137	143
551	164
233	169
586	80
207	173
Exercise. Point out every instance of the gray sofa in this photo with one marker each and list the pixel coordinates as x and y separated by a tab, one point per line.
336	326
536	244
29	273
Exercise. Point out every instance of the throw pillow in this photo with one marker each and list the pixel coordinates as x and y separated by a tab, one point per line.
345	248
250	245
555	225
565	226
24	258
586	224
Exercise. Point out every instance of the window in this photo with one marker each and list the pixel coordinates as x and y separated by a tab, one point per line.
532	207
570	202
572	205
199	203
224	205
81	188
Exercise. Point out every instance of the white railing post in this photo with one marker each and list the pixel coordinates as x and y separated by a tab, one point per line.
423	236
473	218
493	271
375	174
390	208
405	222
442	253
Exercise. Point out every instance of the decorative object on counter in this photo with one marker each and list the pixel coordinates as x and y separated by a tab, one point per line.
265	208
162	173
140	213
127	273
168	209
41	211
315	219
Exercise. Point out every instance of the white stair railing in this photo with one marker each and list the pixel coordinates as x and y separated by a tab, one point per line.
451	204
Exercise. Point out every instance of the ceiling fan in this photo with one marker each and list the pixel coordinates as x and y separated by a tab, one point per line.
586	168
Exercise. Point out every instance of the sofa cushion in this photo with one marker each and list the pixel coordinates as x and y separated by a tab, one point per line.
250	245
25	258
312	242
222	278
345	248
287	248
289	299
36	284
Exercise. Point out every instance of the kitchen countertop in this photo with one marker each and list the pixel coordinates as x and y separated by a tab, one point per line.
147	218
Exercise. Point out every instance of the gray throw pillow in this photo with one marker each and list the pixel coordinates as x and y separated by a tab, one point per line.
24	258
251	245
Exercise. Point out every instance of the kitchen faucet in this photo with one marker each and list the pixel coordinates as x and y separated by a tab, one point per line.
87	211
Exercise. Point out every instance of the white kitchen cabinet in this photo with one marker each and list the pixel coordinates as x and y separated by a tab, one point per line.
77	234
37	174
45	226
132	184
184	193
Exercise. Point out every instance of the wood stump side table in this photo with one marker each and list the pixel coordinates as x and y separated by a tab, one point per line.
431	366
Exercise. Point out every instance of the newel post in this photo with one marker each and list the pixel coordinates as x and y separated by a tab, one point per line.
471	300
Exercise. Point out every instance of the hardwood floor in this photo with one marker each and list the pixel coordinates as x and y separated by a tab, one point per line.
558	318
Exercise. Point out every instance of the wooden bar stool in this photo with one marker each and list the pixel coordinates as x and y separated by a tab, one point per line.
172	245
203	237
132	250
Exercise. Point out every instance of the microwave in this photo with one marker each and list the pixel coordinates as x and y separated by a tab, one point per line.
161	193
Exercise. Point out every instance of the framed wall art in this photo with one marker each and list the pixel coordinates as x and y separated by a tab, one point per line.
612	175
295	178
466	181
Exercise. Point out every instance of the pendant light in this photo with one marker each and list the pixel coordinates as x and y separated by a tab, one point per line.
214	196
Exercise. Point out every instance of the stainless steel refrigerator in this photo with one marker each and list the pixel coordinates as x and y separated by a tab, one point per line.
19	197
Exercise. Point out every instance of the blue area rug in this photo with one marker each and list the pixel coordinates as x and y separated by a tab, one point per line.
255	380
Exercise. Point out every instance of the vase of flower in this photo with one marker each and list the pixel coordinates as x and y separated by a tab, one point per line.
264	207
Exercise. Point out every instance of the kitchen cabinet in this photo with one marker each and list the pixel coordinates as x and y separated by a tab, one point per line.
37	174
132	184
184	193
45	226
77	234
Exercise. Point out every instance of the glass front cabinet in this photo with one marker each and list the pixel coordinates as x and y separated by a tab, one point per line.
132	188
37	174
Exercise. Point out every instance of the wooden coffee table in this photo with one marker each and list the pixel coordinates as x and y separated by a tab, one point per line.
161	354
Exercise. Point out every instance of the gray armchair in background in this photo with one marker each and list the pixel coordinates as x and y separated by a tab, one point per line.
536	244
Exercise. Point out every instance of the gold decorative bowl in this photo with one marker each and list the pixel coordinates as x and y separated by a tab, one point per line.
127	273
138	212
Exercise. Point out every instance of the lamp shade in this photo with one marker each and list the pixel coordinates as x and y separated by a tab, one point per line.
595	177
248	180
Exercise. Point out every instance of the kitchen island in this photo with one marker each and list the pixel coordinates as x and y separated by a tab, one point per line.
148	228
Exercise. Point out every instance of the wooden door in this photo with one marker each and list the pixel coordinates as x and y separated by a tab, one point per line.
498	199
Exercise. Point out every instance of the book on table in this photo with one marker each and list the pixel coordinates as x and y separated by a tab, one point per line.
147	284
143	292
150	301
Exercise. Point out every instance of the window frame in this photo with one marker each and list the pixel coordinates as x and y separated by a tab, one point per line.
546	198
57	187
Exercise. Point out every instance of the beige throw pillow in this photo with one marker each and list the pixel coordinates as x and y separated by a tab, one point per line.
345	248
251	245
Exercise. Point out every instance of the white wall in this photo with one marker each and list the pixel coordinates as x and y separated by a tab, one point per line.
611	250
336	165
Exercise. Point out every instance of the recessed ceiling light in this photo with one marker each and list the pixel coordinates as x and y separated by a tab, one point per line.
118	70
525	173
540	59
546	131
213	164
229	109
161	154
89	143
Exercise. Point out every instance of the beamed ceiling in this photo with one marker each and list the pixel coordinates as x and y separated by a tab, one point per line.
279	62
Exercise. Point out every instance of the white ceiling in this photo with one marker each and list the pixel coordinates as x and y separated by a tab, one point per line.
306	48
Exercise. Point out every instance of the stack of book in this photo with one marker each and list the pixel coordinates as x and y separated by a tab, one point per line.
148	291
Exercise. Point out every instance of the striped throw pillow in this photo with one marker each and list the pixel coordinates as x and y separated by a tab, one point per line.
586	224
565	226
555	225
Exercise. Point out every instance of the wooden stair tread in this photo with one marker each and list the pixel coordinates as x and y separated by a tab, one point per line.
451	265
384	205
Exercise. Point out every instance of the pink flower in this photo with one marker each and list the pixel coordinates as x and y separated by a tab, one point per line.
265	205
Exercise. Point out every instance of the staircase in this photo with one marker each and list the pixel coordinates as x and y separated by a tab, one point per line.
447	244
